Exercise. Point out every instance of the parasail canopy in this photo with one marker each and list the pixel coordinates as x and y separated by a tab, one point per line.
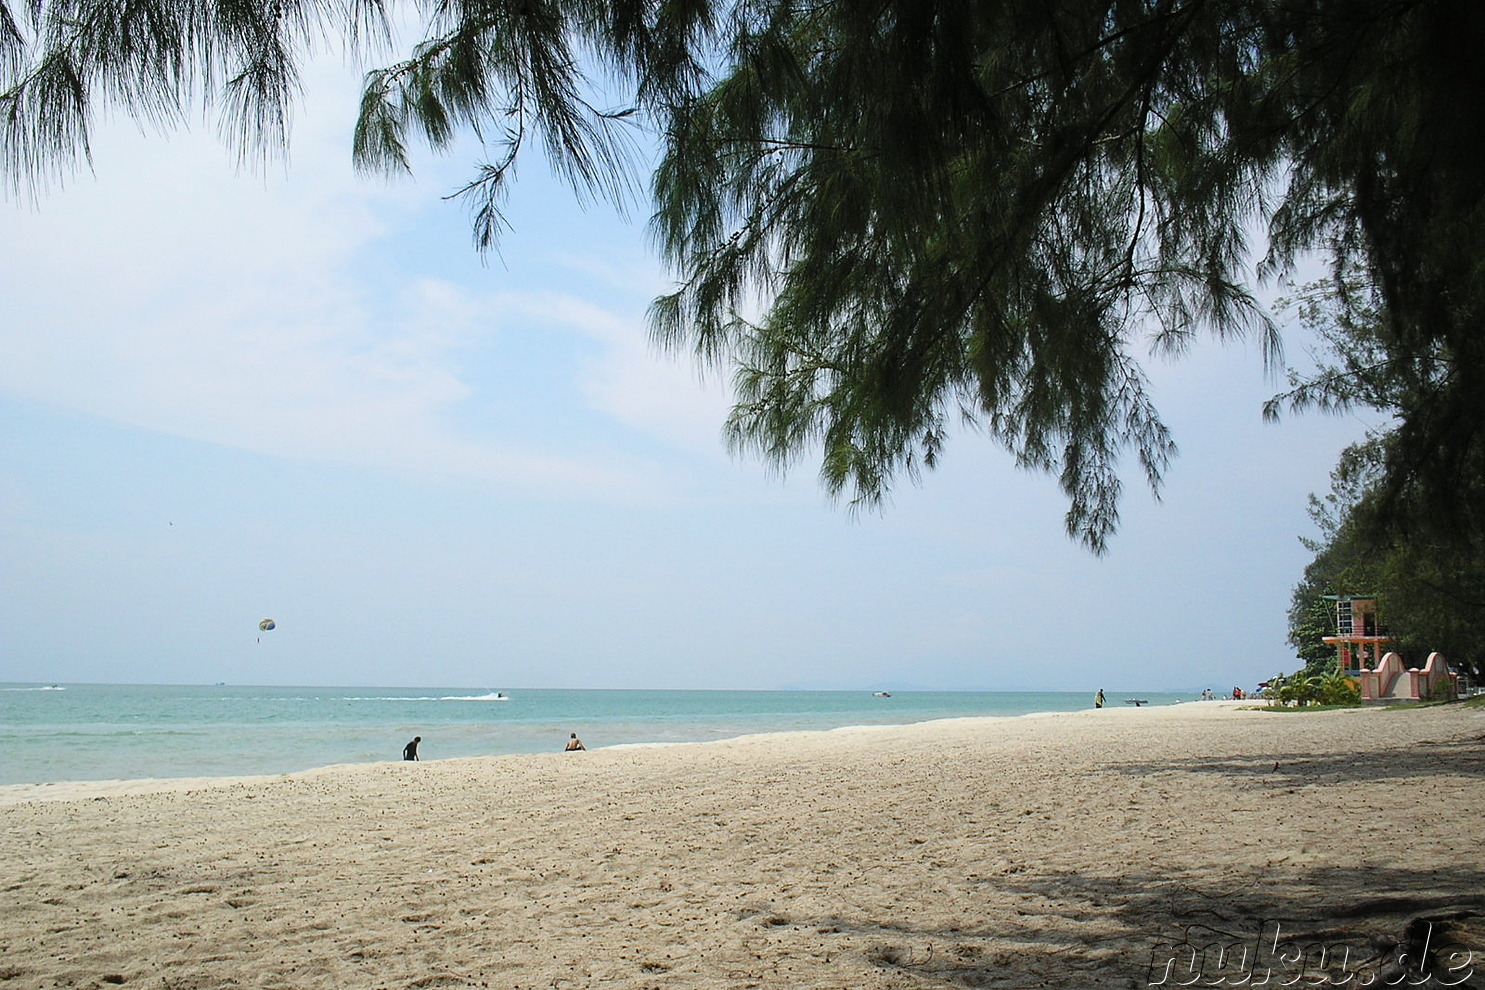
266	625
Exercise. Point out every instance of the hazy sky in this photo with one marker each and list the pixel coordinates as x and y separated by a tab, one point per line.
303	395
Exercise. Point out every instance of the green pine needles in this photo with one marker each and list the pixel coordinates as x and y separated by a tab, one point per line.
889	216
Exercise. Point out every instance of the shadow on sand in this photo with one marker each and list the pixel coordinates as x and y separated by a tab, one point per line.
1259	925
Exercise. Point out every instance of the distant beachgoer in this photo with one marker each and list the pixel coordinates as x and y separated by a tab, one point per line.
410	751
1237	694
574	744
1098	699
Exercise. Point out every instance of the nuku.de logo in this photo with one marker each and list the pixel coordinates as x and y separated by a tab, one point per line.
1209	957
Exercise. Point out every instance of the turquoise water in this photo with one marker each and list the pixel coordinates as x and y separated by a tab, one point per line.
121	732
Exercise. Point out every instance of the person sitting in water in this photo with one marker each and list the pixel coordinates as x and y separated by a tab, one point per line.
410	751
574	744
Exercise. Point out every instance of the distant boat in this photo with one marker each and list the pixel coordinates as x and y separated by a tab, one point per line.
1136	702
881	694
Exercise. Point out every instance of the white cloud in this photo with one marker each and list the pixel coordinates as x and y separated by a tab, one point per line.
625	377
171	295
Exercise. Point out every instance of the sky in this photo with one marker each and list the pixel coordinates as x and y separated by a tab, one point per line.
300	393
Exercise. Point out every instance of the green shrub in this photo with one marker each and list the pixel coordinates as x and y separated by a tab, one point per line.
1338	689
1302	690
1443	690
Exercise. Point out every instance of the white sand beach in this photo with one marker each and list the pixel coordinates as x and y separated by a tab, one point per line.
1026	852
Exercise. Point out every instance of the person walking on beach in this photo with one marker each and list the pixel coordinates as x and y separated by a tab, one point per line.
1098	699
575	744
410	751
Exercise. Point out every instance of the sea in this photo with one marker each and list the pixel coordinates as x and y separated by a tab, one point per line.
82	732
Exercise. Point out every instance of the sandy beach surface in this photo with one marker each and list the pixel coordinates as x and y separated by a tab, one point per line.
1075	850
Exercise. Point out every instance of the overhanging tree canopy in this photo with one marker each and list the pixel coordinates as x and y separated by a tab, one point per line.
889	213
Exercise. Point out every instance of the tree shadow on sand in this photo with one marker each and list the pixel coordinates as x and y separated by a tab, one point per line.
1248	925
1459	758
1322	927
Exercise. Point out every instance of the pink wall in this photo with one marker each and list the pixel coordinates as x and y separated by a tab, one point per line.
1390	680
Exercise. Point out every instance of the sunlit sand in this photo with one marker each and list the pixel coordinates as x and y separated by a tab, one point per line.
1056	851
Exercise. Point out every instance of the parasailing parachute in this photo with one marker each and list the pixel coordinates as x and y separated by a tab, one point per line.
266	625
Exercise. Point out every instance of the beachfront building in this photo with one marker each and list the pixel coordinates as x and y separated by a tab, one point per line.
1358	640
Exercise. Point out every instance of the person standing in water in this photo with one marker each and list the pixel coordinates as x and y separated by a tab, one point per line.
410	751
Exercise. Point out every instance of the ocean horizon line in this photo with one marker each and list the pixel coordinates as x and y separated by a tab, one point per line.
45	685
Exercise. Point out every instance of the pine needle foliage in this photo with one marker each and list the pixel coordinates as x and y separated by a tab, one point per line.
889	216
889	212
894	213
512	72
